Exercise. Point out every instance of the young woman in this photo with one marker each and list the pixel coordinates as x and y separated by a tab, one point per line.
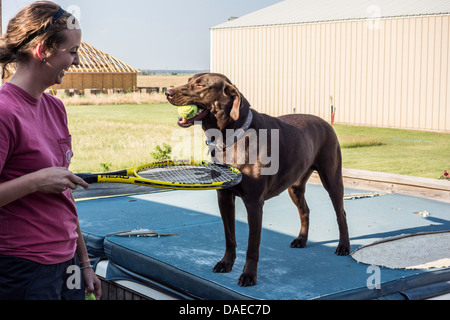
40	235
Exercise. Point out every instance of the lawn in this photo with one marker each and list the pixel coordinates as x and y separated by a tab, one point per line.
416	153
113	137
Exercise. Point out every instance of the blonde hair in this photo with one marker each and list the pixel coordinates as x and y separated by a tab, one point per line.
41	22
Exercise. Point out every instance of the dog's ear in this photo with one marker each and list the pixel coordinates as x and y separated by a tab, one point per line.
234	113
232	91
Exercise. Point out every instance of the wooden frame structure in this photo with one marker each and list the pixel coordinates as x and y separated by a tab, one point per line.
99	70
93	60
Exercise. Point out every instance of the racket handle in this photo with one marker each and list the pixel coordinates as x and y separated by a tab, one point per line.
88	177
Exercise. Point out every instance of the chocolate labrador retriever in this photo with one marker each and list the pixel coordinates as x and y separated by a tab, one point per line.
298	144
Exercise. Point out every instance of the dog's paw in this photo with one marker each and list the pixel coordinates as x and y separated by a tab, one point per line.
299	242
223	267
343	250
247	280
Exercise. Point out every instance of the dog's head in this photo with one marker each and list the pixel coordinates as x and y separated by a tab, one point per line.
217	99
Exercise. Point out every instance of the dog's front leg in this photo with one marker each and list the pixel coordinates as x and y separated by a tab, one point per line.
254	216
227	211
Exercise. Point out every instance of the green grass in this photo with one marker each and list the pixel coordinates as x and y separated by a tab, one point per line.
416	153
114	137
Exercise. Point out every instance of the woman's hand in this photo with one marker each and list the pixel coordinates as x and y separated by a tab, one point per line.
56	180
50	180
92	283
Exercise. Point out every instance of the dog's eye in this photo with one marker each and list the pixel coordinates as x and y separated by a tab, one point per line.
199	85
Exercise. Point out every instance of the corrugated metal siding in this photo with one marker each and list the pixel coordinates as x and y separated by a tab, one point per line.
390	73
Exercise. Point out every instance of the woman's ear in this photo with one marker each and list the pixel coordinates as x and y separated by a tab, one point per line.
40	52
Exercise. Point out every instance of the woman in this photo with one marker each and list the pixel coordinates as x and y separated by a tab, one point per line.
40	235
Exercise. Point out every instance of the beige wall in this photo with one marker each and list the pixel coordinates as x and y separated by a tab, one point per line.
389	73
102	81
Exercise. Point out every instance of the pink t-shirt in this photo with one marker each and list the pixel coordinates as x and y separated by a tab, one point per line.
33	136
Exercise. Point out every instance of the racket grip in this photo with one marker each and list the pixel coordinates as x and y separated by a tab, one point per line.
88	177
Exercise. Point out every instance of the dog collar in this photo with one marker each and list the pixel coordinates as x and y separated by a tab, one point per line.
238	135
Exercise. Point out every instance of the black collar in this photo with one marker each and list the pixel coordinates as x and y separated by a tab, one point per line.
220	145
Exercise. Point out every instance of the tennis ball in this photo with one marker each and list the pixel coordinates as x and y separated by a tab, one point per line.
90	297
187	112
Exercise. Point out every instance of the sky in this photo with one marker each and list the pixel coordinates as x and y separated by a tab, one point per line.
150	34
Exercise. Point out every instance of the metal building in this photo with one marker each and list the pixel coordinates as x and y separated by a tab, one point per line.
377	62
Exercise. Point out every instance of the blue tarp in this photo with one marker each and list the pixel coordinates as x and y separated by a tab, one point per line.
184	263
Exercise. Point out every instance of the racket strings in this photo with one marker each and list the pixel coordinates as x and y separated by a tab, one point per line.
189	174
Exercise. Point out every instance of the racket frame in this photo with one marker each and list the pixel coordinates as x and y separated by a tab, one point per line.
131	176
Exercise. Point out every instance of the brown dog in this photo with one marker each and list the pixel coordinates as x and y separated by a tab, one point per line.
297	144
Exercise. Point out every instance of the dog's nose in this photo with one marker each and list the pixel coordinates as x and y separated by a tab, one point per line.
170	93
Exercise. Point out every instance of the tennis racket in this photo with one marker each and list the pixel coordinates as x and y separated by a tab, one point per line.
178	175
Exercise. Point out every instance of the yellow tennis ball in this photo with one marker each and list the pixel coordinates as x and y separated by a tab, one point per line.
187	112
90	296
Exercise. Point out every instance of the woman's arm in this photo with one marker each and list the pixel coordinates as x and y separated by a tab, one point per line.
92	283
50	180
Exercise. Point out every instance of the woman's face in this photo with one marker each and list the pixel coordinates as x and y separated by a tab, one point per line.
65	56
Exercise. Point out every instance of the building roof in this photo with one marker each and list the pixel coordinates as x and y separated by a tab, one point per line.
93	60
314	11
